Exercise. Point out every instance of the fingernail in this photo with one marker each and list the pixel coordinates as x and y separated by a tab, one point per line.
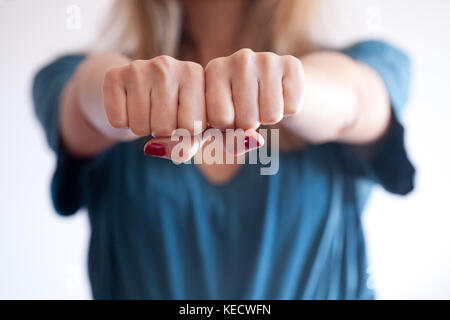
251	142
155	149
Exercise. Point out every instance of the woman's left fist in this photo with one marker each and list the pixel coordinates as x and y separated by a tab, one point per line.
249	88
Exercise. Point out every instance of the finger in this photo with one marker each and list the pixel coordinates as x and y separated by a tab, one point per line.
191	109
164	108
138	101
219	105
114	98
245	98
271	105
293	85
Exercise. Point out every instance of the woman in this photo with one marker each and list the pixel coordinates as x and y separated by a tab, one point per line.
212	230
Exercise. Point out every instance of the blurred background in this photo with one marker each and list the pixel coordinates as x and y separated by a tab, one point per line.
44	256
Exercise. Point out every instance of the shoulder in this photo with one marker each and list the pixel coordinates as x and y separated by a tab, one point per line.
61	64
366	48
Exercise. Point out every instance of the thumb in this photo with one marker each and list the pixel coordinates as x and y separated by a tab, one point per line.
182	147
178	148
238	142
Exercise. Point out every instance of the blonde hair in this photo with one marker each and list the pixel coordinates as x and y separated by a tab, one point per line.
148	28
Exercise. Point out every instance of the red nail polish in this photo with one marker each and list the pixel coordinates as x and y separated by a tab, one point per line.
251	142
155	149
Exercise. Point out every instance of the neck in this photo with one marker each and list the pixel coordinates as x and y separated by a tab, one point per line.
213	27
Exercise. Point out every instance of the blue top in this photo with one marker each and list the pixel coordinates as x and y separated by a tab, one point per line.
162	231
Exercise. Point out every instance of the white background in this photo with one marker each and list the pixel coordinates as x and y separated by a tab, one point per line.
44	256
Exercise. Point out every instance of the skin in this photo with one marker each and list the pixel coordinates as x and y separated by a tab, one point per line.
318	98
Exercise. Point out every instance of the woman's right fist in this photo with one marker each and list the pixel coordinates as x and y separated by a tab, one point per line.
155	97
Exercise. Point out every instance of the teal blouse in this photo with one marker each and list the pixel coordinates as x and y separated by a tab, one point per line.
162	231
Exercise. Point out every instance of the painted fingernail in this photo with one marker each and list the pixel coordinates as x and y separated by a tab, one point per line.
251	142
155	150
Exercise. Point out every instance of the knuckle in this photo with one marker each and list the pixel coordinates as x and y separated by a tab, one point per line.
163	60
293	106
161	65
187	125
214	65
162	131
243	57
292	112
248	124
291	109
112	114
272	118
139	129
221	121
136	68
292	62
267	60
112	78
244	52
116	122
193	69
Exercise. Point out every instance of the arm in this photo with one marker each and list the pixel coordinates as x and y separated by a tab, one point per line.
354	109
111	99
344	100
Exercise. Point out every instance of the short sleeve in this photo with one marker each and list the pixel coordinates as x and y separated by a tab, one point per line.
388	164
68	178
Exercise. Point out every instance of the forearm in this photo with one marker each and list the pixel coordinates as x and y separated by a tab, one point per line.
84	128
343	101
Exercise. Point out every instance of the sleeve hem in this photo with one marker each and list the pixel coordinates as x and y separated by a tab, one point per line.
67	182
388	163
388	166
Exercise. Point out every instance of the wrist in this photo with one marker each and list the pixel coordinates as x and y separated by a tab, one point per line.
329	104
88	87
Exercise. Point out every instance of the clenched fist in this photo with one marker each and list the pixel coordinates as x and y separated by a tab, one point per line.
155	97
248	89
241	91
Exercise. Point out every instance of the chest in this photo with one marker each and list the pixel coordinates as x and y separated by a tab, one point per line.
152	187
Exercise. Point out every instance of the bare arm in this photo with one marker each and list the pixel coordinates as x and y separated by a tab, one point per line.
344	100
84	128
